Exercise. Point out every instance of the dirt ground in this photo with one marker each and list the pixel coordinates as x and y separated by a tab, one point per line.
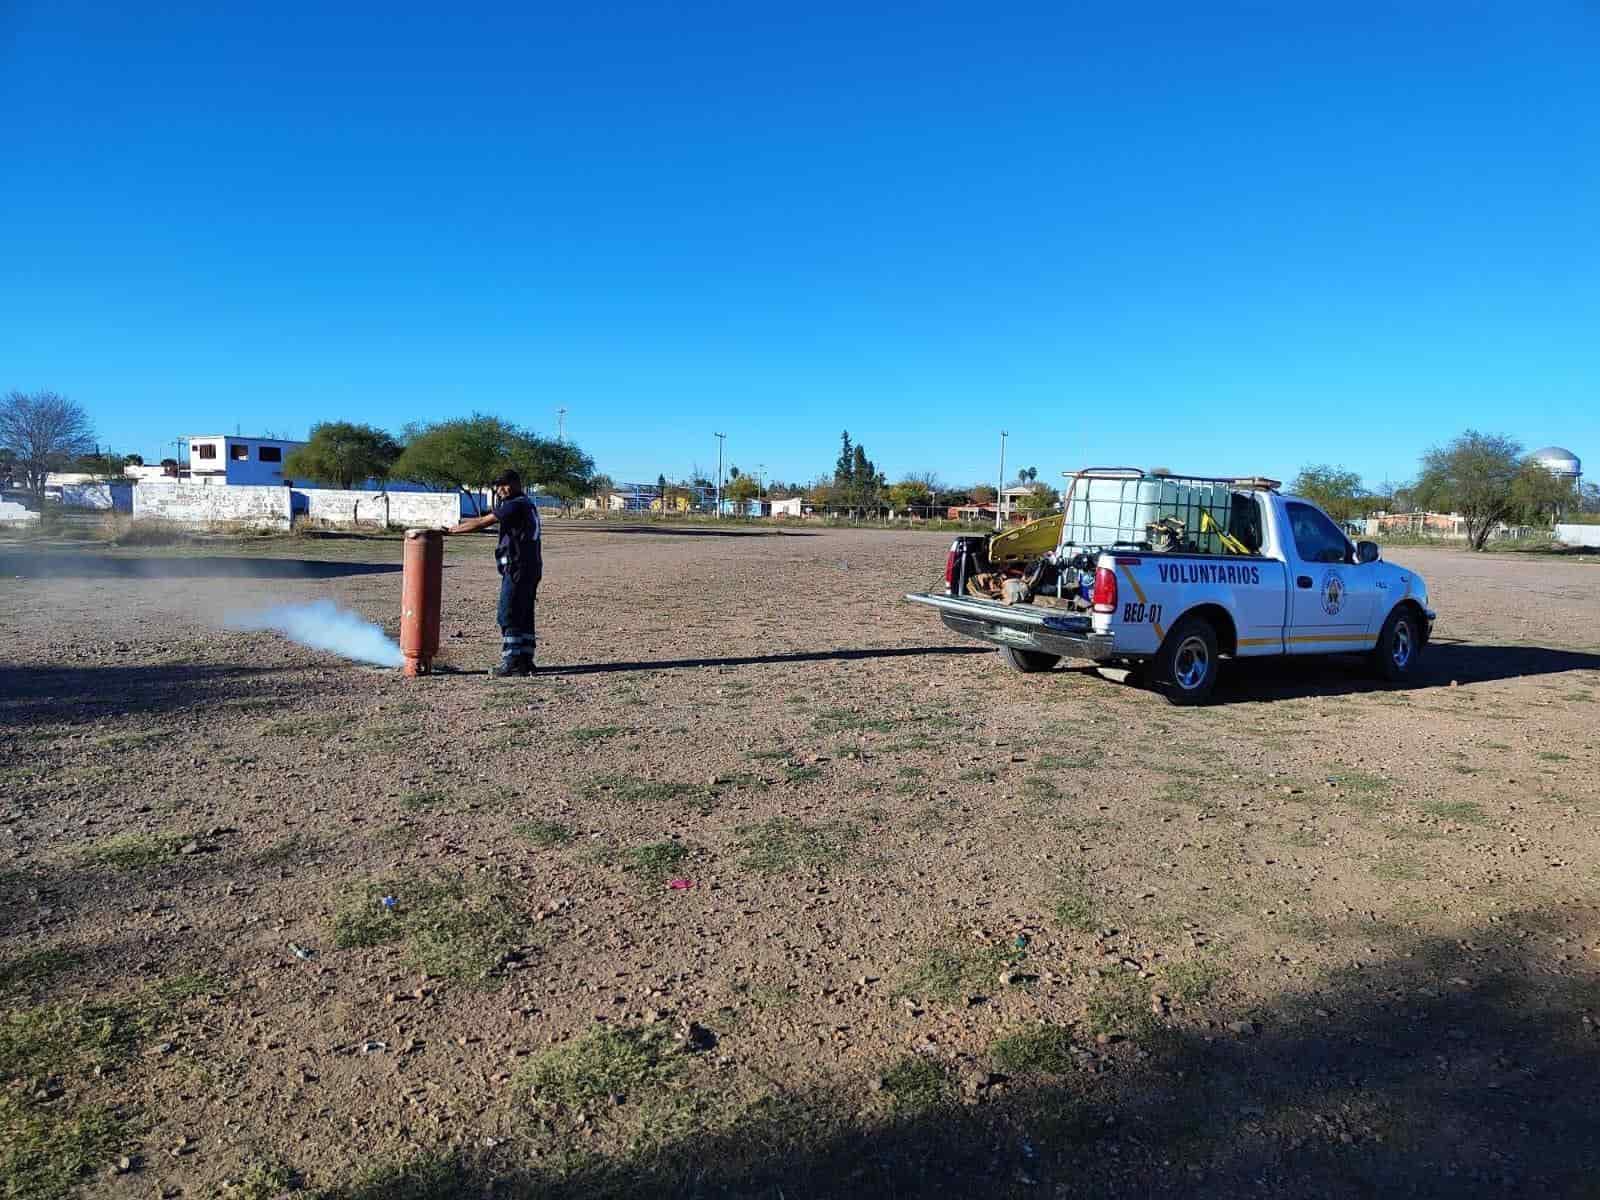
769	886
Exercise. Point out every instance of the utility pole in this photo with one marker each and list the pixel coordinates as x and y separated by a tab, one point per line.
1000	492
561	424
722	440
761	481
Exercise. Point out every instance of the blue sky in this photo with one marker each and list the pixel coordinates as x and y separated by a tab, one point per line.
1221	238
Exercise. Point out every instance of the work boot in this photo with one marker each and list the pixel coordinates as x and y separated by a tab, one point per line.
517	668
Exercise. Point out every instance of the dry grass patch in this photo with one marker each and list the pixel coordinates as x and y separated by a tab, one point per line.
1045	1050
786	844
544	834
448	927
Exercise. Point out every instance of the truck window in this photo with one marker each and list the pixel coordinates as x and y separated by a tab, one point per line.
1244	521
1316	538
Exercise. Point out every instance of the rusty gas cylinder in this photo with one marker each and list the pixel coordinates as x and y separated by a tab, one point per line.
421	586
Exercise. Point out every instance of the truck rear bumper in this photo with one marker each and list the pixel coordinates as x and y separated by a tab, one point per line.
1022	626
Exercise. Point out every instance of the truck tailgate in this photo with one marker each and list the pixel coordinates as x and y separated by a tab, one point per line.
1021	625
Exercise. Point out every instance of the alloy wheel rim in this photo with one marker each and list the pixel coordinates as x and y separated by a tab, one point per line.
1191	664
1402	644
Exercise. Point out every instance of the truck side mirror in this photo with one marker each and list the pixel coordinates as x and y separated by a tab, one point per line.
1366	552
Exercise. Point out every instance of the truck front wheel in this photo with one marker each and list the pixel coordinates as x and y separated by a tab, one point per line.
1027	661
1395	656
1185	668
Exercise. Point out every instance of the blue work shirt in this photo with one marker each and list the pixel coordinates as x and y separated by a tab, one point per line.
519	553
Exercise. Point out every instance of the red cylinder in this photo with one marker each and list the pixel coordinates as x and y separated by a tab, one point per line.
421	587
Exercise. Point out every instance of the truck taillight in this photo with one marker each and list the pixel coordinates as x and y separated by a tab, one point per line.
950	561
1105	590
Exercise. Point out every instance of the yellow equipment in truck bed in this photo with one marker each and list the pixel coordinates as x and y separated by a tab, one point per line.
1027	541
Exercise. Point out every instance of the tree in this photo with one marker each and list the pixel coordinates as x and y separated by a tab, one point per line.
865	481
1473	476
742	490
567	493
100	465
823	492
600	486
134	460
467	453
1041	499
343	454
982	494
857	481
1539	496
910	493
1334	490
45	431
843	466
547	464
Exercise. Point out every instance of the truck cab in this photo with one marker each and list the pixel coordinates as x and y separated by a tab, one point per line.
1196	570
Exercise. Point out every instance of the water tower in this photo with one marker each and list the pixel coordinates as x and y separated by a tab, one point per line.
1560	462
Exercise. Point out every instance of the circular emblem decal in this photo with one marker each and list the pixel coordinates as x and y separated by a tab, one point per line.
1332	593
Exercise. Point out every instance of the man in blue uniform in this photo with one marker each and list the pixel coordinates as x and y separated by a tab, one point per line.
520	558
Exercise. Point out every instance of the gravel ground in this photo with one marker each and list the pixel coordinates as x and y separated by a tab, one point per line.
770	886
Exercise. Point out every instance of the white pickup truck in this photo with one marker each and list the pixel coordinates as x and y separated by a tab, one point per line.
1170	574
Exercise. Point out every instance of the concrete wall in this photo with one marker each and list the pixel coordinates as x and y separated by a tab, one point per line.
12	513
1578	535
100	497
403	510
207	504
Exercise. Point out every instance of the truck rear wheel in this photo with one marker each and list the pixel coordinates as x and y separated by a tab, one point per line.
1027	661
1185	668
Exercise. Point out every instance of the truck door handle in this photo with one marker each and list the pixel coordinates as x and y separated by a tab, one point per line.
1303	581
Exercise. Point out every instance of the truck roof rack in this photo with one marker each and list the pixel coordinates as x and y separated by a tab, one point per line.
1251	482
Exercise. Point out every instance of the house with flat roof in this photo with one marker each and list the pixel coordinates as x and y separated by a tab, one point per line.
221	458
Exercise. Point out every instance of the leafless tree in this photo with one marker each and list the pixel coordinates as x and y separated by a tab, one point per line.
45	431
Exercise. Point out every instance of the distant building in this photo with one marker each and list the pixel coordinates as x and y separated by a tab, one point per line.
1012	498
248	460
794	506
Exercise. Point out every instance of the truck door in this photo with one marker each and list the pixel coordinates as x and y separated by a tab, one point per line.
1258	601
1331	601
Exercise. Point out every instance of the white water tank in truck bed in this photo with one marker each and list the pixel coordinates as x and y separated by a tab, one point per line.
1105	512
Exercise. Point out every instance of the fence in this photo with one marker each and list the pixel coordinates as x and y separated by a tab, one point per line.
261	507
98	497
384	510
1578	535
269	506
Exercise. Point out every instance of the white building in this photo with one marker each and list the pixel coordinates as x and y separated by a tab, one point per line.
248	460
1011	499
792	507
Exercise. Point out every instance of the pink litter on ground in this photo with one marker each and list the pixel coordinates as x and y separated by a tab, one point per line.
679	885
